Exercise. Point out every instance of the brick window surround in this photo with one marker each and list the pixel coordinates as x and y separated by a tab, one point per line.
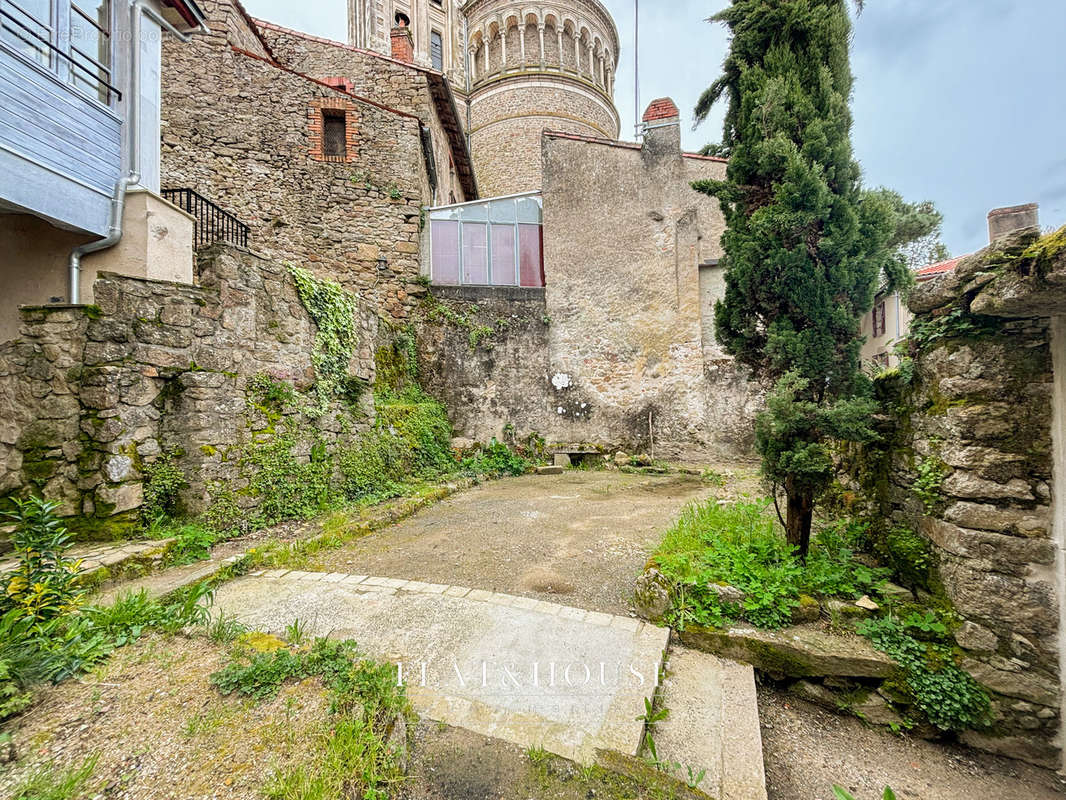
319	109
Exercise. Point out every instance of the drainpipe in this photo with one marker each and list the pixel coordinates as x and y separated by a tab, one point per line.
133	134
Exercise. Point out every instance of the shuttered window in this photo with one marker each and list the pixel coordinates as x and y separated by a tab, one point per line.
334	135
436	50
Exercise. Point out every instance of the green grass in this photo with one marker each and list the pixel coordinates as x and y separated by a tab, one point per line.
742	545
49	782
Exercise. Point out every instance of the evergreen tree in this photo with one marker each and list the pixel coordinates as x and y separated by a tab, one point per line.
805	248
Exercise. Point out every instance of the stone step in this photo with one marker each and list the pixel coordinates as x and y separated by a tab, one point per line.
713	725
106	562
802	651
167	582
530	672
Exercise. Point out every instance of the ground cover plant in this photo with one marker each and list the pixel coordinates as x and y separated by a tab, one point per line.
357	754
47	633
741	545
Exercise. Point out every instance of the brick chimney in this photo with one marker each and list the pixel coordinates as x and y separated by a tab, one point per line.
662	127
403	47
1002	221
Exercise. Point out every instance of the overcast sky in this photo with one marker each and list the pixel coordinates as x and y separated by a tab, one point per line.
962	102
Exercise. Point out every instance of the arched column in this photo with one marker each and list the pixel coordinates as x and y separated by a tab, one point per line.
503	46
540	30
522	42
577	51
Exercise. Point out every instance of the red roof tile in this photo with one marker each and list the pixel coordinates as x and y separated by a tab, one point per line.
938	269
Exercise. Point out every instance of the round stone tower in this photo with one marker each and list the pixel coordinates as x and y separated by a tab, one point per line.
536	67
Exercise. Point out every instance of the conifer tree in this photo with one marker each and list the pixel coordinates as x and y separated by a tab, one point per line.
805	248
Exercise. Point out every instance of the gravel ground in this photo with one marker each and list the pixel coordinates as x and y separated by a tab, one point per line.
579	539
160	730
807	750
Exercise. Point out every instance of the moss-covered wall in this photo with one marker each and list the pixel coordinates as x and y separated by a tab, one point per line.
967	463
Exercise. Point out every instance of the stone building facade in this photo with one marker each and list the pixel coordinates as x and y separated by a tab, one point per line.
246	131
982	428
618	350
520	69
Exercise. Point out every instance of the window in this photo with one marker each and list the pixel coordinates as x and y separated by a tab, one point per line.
334	135
880	320
71	38
436	50
491	243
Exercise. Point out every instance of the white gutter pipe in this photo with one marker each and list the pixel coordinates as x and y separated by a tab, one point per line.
133	144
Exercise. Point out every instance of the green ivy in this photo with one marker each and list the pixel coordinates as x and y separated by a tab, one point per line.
930	481
334	311
959	323
163	483
947	695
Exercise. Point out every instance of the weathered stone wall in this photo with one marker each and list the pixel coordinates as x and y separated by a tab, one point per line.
509	116
400	86
91	397
623	333
975	434
238	130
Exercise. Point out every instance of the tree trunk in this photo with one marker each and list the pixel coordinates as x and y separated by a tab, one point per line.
798	520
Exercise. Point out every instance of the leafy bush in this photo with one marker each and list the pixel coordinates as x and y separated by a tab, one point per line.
163	483
496	459
947	695
739	545
43	586
909	556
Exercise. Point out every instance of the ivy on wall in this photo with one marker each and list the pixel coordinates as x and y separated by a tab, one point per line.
334	312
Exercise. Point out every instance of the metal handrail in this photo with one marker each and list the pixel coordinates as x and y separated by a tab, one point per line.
212	223
40	40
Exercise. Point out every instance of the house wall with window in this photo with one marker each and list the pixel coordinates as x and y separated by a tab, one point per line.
617	349
883	327
249	134
65	122
403	86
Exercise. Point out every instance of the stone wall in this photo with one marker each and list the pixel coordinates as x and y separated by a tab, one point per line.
92	397
400	86
238	129
618	350
975	434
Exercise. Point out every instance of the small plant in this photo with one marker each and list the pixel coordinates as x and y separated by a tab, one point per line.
163	484
841	794
50	782
929	483
537	755
695	778
296	632
948	696
44	584
496	459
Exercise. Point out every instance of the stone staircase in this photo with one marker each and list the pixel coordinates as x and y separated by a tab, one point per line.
713	725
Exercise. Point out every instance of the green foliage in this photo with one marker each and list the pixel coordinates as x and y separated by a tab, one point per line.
193	540
163	483
804	247
352	756
334	311
739	545
44	584
915	239
841	794
51	782
909	556
928	486
134	614
496	459
948	696
927	331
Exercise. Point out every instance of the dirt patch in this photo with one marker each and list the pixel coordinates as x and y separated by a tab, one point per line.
807	750
580	538
160	730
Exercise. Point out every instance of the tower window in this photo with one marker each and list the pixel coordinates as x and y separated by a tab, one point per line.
436	50
334	135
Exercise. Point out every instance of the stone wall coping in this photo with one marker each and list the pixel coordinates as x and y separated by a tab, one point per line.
535	295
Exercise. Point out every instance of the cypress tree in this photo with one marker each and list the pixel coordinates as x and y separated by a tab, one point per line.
805	248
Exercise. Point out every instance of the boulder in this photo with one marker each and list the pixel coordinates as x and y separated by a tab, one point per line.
621	458
971	636
652	595
808	610
727	594
552	470
562	460
815	693
876	710
462	446
803	651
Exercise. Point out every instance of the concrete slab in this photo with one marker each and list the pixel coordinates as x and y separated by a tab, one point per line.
713	725
529	676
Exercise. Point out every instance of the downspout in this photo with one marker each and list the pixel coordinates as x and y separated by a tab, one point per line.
133	131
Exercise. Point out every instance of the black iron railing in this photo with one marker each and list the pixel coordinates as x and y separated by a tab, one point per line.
212	223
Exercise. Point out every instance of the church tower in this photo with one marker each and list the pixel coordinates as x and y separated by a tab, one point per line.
435	26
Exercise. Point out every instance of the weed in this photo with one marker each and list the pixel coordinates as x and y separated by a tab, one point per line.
49	782
296	633
841	794
163	484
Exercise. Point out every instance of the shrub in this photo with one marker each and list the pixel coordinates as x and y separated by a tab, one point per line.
43	586
739	545
163	484
496	459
